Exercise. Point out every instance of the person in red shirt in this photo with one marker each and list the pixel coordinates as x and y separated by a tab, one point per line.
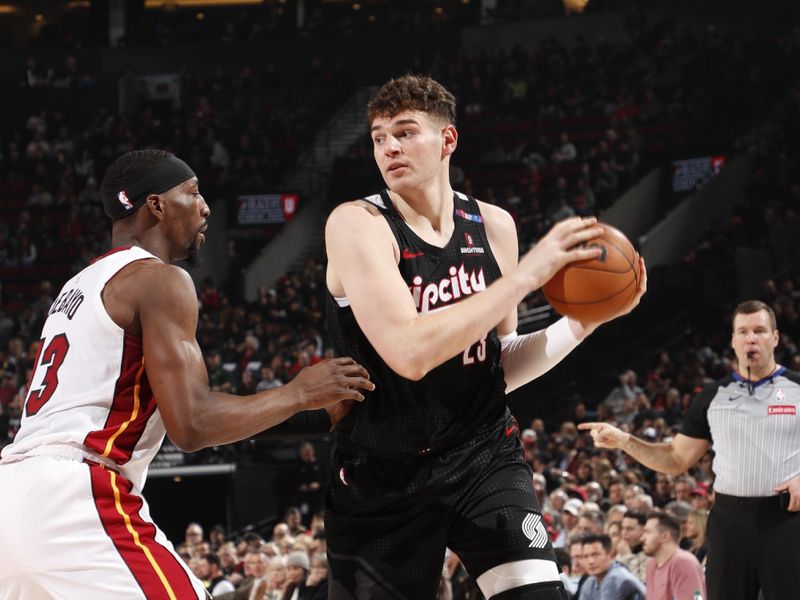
672	573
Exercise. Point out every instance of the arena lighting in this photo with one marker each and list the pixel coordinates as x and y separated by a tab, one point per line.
8	9
196	3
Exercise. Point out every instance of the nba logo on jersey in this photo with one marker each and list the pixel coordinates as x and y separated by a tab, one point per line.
123	199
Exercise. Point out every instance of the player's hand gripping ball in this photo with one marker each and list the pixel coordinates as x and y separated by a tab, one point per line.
597	289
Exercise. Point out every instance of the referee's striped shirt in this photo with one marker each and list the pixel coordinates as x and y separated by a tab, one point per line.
754	430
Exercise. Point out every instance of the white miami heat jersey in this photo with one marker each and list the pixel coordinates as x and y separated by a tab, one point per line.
89	389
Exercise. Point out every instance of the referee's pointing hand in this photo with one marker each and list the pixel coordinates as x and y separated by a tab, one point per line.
605	435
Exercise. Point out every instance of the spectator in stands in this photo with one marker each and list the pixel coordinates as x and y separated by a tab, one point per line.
663	492
695	532
615	514
627	390
630	551
308	484
631	495
218	583
267	379
591	521
218	378
608	579
216	537
613	529
569	518
699	497
317	581
276	578
684	486
230	564
254	583
293	520
194	536
577	573
297	568
616	490
672	573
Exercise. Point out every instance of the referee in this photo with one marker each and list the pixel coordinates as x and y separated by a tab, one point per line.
751	419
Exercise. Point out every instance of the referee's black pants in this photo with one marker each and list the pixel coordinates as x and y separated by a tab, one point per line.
753	544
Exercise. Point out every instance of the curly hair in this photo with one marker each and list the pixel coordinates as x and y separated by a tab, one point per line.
413	92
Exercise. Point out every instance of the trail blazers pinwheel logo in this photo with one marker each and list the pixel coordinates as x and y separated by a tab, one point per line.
534	530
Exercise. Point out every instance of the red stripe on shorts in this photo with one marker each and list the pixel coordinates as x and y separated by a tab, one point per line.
128	415
157	570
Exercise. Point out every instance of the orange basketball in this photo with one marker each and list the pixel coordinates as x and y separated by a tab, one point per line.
594	290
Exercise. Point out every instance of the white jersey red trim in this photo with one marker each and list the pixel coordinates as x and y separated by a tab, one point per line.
89	389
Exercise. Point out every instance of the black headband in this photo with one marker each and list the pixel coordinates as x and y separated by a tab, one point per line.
163	177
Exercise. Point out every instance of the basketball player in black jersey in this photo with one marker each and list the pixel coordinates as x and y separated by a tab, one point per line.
424	285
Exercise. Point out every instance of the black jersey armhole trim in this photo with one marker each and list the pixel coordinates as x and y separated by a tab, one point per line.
473	202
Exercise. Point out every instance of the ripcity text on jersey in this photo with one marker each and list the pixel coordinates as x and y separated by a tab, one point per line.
89	389
404	418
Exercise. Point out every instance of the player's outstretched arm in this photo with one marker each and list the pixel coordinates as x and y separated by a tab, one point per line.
674	458
196	417
362	260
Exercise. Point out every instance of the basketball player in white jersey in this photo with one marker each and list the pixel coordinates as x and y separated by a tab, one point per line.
117	366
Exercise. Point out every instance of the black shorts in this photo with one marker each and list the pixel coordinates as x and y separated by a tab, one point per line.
388	522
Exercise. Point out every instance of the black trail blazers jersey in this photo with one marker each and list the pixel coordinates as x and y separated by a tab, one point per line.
404	418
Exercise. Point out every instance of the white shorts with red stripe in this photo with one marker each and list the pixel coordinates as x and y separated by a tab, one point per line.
71	529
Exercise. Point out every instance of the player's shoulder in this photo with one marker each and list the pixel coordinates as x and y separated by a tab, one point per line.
497	218
360	209
711	390
356	219
152	280
793	376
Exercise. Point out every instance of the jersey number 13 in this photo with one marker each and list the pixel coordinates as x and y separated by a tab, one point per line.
51	359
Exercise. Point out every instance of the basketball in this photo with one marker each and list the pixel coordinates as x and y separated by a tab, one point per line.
594	290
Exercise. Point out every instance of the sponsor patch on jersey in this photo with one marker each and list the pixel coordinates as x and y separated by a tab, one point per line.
468	216
781	409
470	248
